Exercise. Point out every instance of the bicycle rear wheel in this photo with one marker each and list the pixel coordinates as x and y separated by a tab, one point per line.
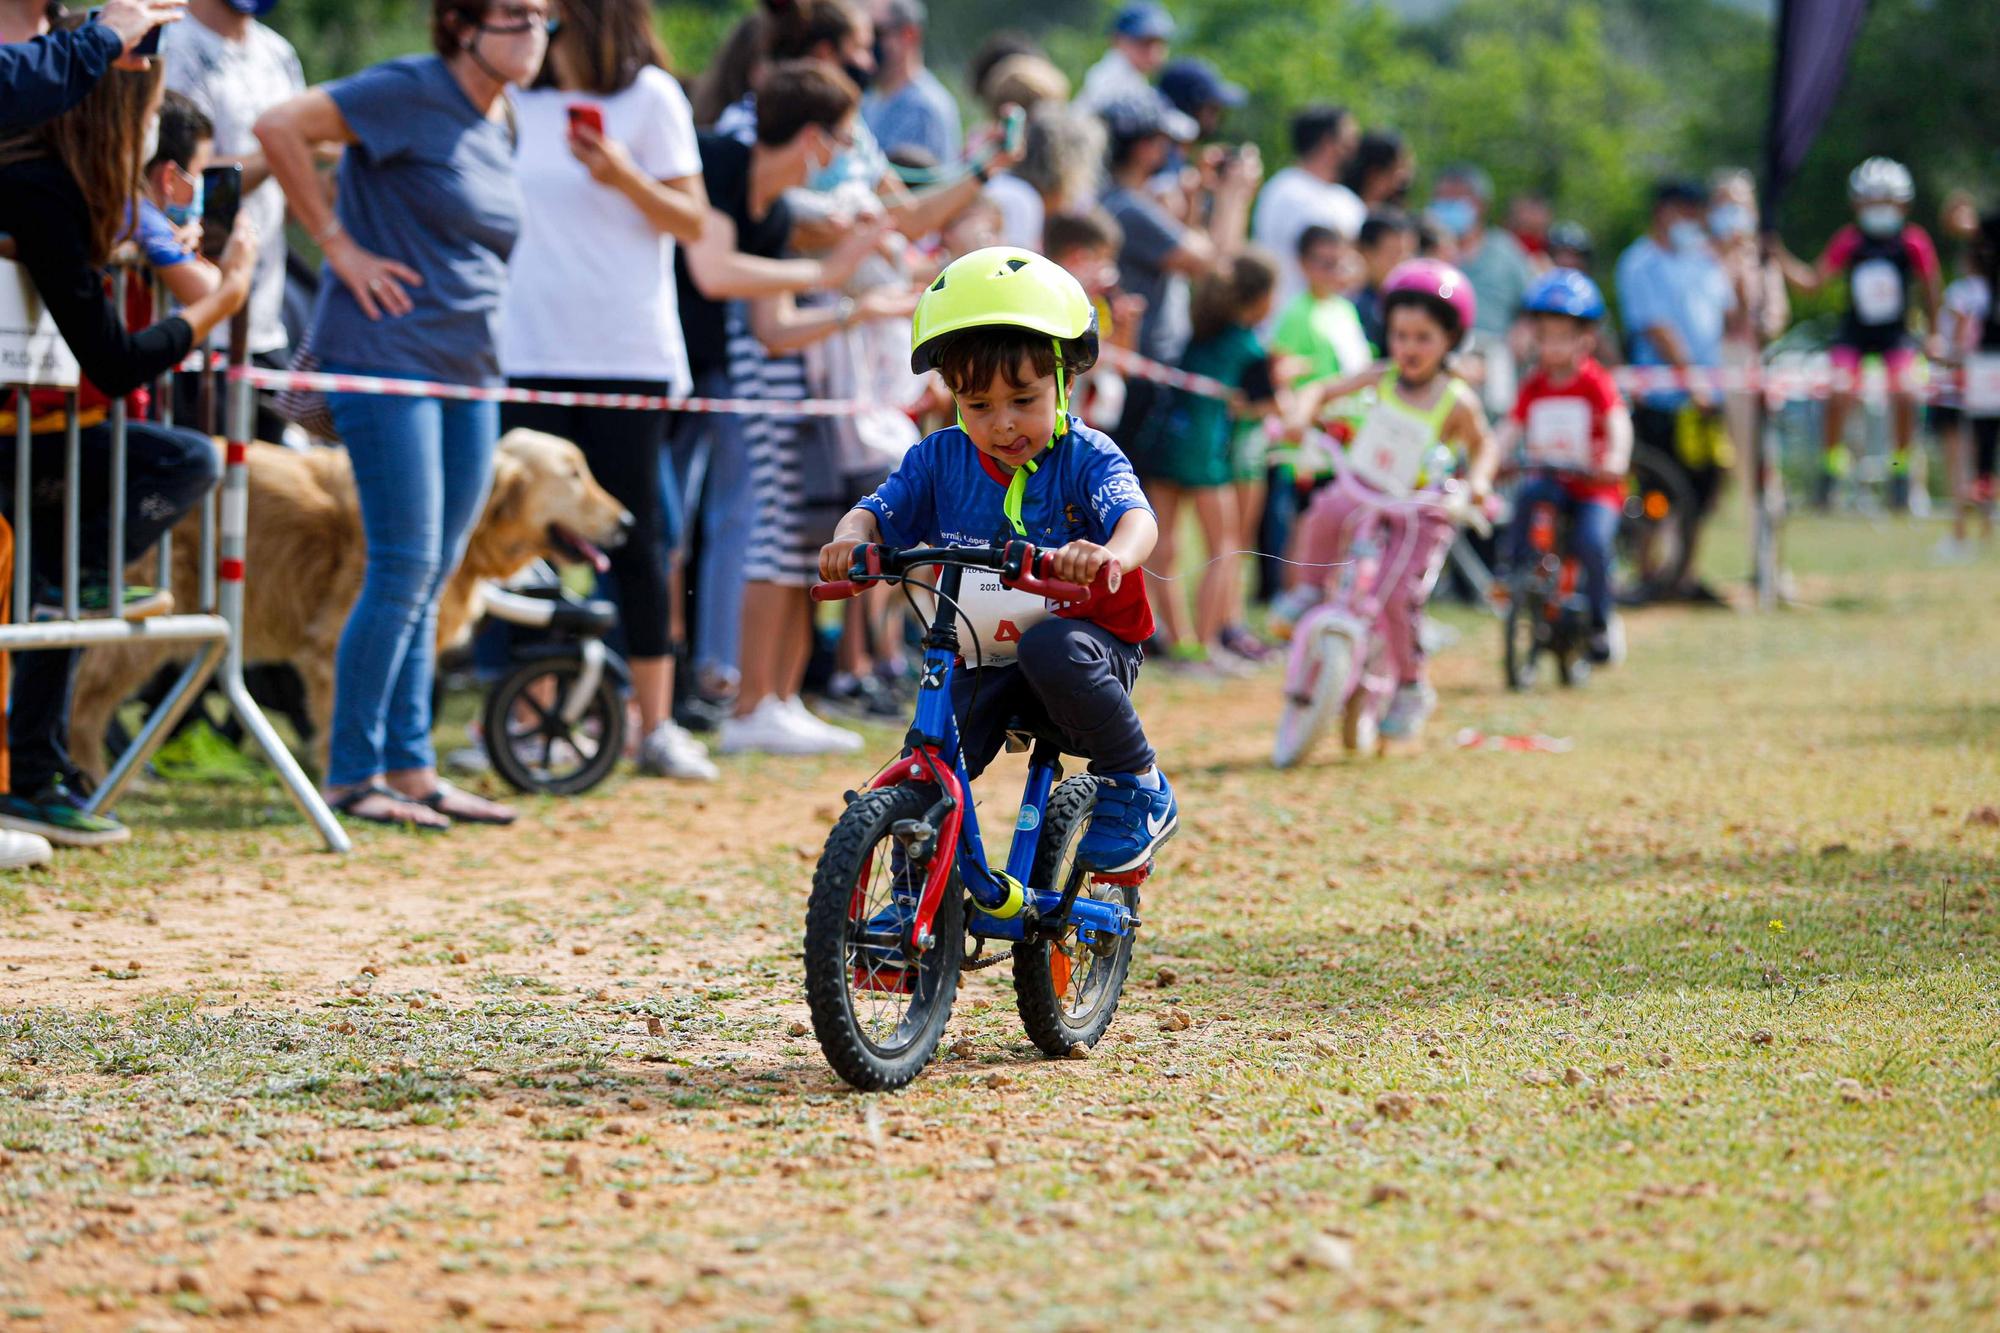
1067	989
878	1009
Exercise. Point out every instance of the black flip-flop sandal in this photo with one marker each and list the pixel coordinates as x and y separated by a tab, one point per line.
443	792
346	806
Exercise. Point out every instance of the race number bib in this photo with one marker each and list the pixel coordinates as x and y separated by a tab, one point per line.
1388	453
1559	434
999	615
1877	288
1982	384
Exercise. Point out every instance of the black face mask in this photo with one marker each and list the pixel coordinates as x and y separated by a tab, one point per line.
862	77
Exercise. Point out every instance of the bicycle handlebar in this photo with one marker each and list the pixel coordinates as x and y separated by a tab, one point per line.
1018	563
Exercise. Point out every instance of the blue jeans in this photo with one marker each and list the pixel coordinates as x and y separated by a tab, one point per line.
725	510
1593	529
422	468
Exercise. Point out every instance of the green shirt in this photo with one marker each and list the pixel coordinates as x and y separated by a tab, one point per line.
1327	333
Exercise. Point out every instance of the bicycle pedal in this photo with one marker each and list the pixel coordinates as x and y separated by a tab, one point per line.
893	981
1126	879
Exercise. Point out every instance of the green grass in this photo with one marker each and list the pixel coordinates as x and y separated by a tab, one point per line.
1694	1023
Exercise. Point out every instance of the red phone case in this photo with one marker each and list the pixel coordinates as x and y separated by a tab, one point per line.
584	114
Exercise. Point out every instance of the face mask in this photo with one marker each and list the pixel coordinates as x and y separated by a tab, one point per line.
830	175
1688	237
1729	220
149	142
1881	219
862	77
182	214
1456	216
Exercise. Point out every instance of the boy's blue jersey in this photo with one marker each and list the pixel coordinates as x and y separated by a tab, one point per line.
947	493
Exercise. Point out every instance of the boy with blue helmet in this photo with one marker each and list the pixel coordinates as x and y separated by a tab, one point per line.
1574	433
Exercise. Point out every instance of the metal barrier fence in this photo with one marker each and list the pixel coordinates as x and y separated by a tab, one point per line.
33	358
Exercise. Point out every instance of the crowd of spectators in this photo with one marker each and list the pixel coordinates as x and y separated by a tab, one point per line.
538	200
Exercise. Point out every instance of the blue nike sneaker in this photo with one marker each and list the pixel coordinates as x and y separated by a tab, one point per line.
1128	823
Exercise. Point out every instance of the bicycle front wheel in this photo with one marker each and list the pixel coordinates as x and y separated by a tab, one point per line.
878	1008
1311	704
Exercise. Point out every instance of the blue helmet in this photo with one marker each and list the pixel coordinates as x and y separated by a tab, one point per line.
1564	291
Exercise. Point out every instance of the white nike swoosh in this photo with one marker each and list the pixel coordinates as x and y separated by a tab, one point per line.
1154	824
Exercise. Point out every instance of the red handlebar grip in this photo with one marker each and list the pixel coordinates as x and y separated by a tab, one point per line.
1106	583
835	592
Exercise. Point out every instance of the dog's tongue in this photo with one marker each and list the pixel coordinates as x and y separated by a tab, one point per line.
588	550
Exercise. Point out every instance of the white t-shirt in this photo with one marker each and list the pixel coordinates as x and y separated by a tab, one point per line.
1022	212
590	291
1291	201
234	83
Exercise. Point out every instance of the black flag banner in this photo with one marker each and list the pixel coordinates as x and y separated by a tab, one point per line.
1814	37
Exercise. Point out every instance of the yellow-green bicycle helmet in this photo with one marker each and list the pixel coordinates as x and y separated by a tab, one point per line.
1003	286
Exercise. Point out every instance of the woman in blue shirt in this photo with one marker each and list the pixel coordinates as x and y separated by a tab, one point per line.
416	261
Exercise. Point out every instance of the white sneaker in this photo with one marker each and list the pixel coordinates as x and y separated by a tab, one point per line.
770	728
1952	551
669	752
20	850
839	739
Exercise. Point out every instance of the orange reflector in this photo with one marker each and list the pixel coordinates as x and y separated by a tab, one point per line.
1656	505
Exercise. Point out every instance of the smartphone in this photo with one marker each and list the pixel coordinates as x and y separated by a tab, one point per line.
582	113
1014	129
149	45
221	197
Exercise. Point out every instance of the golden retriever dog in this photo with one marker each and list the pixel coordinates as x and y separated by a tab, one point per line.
306	555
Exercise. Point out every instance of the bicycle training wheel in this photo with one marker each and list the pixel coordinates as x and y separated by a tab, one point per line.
1067	989
878	1011
530	743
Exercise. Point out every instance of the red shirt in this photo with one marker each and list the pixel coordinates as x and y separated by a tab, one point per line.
1127	613
1593	388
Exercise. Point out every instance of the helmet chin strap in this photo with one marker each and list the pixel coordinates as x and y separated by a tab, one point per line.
1017	485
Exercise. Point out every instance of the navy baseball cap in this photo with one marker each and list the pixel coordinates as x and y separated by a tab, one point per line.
254	8
1142	115
1194	83
1145	21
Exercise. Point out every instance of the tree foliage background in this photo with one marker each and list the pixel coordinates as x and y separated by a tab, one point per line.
1585	102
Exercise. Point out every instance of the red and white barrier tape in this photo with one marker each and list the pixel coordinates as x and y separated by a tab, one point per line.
321	382
1777	384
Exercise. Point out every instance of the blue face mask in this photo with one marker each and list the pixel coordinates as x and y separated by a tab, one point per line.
182	214
1456	216
1688	237
1729	220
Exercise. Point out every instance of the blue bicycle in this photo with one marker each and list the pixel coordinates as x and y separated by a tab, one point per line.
904	881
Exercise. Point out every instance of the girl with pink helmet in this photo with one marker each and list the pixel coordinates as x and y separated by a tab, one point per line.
1414	417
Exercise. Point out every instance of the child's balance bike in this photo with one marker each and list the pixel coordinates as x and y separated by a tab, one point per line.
1338	665
904	879
1547	616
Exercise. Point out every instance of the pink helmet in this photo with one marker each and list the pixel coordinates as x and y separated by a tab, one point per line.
1438	287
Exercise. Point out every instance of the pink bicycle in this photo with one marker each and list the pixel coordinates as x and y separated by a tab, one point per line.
1339	662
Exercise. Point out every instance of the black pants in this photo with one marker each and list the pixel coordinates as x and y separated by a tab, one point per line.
623	449
267	425
167	471
1985	447
1071	676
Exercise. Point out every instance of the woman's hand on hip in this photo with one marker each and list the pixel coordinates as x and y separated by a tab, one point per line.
377	284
